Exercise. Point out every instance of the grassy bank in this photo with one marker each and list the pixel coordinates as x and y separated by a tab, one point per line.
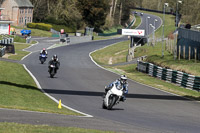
19	91
137	22
112	55
26	128
132	73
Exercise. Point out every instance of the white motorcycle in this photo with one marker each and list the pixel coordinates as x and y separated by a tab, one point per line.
112	97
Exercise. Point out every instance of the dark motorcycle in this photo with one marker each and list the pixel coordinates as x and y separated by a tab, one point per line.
52	70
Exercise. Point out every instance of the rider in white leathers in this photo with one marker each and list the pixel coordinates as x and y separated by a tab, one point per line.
121	82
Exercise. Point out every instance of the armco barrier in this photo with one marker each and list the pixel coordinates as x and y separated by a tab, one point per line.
180	78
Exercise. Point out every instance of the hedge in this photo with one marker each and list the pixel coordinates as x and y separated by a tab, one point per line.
41	26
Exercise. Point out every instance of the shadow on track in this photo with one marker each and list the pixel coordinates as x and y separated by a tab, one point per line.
19	85
136	96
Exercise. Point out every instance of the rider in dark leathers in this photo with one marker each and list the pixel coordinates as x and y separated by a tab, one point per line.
54	61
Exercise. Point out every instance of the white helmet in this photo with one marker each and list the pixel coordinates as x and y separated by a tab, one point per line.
123	79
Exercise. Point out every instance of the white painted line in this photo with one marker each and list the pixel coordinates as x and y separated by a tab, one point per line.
30	46
26	56
38	85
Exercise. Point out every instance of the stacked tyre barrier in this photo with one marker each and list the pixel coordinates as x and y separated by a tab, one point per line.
180	78
2	51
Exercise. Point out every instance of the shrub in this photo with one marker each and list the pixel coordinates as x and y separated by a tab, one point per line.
41	26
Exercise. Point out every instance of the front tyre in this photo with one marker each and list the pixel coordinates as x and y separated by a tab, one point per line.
111	102
103	106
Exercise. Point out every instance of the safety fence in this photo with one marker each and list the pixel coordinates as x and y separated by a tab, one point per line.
180	78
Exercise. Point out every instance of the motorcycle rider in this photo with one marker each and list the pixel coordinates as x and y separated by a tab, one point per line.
54	61
121	82
43	51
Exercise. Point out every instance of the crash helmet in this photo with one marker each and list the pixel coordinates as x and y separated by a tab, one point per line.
123	79
55	58
43	49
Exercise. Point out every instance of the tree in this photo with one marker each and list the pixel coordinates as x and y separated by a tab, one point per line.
94	12
61	12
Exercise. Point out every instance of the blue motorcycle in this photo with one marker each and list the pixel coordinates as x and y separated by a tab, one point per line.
43	58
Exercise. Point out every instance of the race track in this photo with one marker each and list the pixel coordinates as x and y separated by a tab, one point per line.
80	84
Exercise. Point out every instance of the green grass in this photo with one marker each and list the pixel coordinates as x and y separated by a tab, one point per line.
19	39
118	53
36	32
40	33
19	53
18	90
26	128
137	22
112	29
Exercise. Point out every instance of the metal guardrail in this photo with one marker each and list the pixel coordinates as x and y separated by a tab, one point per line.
180	78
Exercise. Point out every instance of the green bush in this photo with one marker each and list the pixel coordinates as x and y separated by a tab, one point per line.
41	26
66	29
31	25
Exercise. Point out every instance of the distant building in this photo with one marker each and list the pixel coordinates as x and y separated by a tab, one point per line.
18	11
4	24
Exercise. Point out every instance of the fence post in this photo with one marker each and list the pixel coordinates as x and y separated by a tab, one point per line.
189	53
179	53
195	54
184	52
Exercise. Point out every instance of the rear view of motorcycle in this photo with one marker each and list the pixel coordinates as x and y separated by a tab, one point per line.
112	97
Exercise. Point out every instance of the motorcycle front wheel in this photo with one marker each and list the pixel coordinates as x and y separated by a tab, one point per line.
111	102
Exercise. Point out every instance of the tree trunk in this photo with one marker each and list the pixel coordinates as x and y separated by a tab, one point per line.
111	8
115	7
120	13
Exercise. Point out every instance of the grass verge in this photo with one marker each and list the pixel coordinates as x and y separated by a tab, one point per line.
26	128
102	57
19	53
19	91
137	22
